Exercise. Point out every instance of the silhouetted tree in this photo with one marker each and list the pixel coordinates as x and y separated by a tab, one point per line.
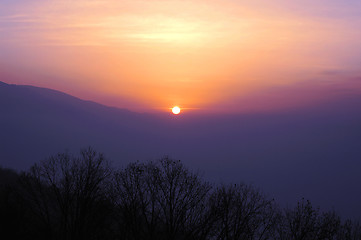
135	198
299	223
242	213
68	198
161	200
182	198
305	222
329	224
68	195
349	230
12	212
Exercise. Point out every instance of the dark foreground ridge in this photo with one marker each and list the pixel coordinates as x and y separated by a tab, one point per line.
67	197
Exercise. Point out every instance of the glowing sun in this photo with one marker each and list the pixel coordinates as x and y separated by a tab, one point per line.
176	110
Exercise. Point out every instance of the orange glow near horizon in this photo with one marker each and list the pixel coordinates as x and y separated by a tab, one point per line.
144	55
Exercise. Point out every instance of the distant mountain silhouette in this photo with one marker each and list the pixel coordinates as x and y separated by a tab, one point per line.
35	122
313	152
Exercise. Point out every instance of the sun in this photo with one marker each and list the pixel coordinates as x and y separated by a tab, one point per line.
176	110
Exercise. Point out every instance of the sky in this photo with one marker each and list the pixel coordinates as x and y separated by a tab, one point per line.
228	56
